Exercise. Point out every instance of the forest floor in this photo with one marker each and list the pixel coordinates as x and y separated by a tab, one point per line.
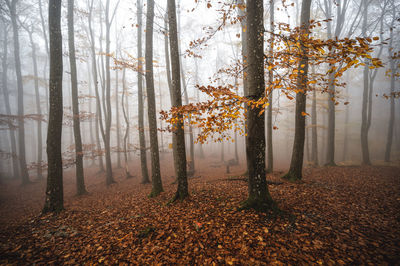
337	215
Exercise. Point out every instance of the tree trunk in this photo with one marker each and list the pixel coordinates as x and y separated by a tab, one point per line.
151	103
21	126
270	155
179	133
117	121
296	164
314	132
80	179
393	68
7	105
364	112
54	191
92	138
142	140
200	150
107	110
259	197
126	118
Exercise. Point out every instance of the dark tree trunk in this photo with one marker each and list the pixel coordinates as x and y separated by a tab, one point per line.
364	112
179	133
54	191
21	126
296	164
259	197
142	140
270	155
80	179
394	70
151	103
7	104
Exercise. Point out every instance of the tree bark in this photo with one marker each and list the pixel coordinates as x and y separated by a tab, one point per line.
151	103
21	125
126	118
54	190
80	179
179	133
314	132
142	140
393	68
364	112
296	164
259	197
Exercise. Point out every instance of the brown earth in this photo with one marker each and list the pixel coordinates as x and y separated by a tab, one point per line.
337	215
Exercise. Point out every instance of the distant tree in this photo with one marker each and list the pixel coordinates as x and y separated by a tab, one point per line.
80	179
151	103
270	154
15	162
12	6
179	133
142	140
54	191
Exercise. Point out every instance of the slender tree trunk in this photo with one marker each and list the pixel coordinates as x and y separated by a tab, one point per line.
364	111
179	133
21	125
7	105
270	155
151	103
296	164
47	50
259	197
92	138
200	150
38	108
54	192
117	121
80	179
142	140
126	118
394	70
108	114
314	132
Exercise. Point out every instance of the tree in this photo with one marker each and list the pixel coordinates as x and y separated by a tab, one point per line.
7	101
142	140
393	72
12	6
80	179
179	132
270	155
126	118
151	103
296	164
259	197
54	190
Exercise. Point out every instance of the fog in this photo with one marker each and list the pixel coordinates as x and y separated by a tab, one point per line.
221	50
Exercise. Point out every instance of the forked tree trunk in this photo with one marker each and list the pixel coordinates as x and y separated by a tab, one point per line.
54	191
142	140
80	179
296	164
151	103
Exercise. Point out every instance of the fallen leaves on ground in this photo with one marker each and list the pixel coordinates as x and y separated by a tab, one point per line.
338	215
